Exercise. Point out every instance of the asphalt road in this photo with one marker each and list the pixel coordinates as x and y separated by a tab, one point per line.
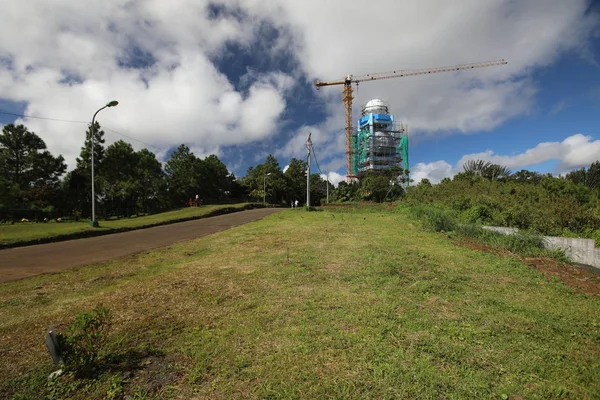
23	262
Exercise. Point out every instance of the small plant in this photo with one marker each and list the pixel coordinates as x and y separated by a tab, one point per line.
76	215
85	338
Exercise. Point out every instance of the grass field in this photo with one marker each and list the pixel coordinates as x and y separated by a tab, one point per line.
28	232
342	304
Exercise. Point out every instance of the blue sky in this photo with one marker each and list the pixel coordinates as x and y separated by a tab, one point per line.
235	78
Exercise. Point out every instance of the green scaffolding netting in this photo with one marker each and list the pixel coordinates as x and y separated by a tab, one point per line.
371	152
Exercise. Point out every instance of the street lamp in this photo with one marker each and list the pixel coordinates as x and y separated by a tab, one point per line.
265	189
93	222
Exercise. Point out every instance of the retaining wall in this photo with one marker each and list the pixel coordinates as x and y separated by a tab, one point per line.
581	251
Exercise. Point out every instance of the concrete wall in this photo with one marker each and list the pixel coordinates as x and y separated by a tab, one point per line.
581	251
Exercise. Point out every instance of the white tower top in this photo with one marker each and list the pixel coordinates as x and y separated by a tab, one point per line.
376	106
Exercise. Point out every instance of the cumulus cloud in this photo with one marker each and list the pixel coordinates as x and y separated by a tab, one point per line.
435	171
334	178
152	57
157	59
529	34
575	151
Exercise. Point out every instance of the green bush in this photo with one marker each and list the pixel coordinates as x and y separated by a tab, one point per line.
435	219
85	338
478	213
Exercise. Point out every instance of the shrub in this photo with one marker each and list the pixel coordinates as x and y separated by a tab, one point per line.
435	219
76	215
85	338
479	213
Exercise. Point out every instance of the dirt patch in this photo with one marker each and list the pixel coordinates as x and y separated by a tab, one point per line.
585	280
155	375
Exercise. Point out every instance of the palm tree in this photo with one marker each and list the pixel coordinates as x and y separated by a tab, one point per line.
486	169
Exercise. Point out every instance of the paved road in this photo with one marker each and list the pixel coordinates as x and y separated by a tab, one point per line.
23	262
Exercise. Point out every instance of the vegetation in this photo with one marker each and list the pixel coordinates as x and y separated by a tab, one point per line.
129	182
21	233
85	338
376	186
522	242
278	187
556	206
360	304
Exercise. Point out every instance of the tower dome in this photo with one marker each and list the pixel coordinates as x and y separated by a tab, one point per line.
375	106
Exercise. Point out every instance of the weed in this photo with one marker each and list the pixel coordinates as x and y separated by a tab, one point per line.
85	337
435	219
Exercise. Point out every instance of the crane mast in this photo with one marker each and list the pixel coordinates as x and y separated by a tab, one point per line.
347	95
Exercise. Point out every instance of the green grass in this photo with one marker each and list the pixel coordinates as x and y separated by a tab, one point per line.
524	243
30	232
361	304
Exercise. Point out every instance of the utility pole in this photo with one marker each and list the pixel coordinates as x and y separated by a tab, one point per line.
327	176
308	147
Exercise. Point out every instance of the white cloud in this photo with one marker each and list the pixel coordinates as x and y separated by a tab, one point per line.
528	33
575	151
435	171
183	98
180	98
334	178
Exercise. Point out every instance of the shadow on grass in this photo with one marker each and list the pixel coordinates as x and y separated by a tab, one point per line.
126	363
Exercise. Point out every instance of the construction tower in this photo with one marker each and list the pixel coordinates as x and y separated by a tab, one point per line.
379	143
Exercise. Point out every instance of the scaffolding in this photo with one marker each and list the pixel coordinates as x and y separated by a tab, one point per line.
380	143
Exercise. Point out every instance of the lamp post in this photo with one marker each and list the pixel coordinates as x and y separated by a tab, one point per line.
93	222
265	189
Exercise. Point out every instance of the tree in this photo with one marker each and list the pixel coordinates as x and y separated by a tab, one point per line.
183	170
424	183
119	172
527	176
216	180
150	180
318	189
295	176
588	177
30	172
77	185
269	178
486	169
593	176
374	186
84	161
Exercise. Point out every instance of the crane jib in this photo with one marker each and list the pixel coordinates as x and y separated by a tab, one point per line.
347	93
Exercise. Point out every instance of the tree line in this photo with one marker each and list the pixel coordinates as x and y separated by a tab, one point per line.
35	184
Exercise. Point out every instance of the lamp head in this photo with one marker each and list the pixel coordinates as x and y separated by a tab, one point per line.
112	103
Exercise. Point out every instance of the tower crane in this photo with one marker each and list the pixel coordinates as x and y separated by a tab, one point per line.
350	79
